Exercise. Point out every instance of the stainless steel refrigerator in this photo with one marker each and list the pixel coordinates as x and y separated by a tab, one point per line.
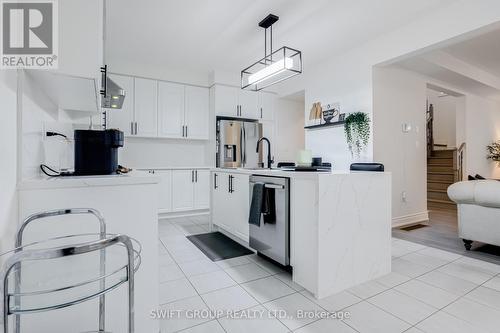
236	142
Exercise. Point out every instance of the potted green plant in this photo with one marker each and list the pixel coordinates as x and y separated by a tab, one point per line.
357	132
494	151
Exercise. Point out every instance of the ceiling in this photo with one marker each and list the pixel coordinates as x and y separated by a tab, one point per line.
482	51
205	35
472	65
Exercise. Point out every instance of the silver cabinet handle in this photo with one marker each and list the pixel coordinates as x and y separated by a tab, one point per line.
136	128
196	175
215	181
186	131
260	113
192	176
182	130
131	128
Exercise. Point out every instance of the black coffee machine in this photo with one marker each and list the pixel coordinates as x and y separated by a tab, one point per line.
96	151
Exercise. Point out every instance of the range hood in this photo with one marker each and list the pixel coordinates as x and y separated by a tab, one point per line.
112	95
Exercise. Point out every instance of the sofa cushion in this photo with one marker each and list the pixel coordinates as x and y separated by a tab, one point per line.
462	192
479	192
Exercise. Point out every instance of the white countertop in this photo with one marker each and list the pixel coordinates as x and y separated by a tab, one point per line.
141	168
132	178
290	174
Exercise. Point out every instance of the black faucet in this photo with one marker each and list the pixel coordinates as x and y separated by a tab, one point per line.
270	161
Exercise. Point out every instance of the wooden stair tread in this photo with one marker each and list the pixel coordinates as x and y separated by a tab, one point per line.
434	190
440	172
441	201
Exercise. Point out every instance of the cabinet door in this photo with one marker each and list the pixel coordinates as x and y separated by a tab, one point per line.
266	106
226	101
240	206
248	104
196	116
221	214
146	92
182	187
123	118
202	189
165	192
170	110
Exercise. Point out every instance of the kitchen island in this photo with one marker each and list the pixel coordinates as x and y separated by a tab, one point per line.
129	205
340	223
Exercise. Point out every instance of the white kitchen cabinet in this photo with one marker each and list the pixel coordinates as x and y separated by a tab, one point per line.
226	101
165	191
235	102
171	106
202	189
196	116
219	209
123	119
266	106
239	203
230	203
183	190
248	101
145	101
190	189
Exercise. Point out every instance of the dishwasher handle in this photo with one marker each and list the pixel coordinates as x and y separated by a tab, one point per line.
273	186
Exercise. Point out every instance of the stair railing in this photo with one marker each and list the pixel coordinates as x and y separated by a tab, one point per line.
458	162
429	129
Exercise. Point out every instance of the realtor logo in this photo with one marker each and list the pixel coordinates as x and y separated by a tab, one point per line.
29	34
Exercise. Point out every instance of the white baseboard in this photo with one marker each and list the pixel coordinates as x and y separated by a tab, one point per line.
407	220
171	215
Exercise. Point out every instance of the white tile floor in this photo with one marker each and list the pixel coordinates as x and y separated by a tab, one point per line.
429	291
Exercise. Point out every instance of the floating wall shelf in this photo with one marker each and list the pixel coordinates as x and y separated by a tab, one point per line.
332	124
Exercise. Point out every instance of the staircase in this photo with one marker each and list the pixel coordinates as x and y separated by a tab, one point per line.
440	174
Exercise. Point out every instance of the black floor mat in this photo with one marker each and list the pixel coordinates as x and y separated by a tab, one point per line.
218	246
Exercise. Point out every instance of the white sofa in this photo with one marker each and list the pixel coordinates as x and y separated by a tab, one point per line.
478	210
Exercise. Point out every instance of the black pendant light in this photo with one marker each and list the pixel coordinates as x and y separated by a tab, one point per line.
276	66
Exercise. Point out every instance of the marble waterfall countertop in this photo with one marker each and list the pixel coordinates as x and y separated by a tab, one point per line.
340	226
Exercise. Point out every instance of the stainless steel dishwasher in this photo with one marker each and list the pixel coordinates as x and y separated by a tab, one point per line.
273	239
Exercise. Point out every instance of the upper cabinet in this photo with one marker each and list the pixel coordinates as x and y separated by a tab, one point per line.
171	110
236	102
266	106
146	104
159	109
80	38
196	117
226	101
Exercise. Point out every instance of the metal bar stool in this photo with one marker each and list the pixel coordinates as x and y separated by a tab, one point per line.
24	253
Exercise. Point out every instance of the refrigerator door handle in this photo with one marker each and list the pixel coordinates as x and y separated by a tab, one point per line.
241	146
244	145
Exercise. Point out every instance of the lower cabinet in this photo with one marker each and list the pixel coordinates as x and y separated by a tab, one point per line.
165	192
183	189
230	203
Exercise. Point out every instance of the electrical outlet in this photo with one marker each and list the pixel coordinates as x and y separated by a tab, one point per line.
403	196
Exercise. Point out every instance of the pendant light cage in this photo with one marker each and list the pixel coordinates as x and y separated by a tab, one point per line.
275	67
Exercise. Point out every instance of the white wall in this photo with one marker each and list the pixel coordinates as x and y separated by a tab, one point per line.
8	162
399	97
150	153
482	121
289	129
445	118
